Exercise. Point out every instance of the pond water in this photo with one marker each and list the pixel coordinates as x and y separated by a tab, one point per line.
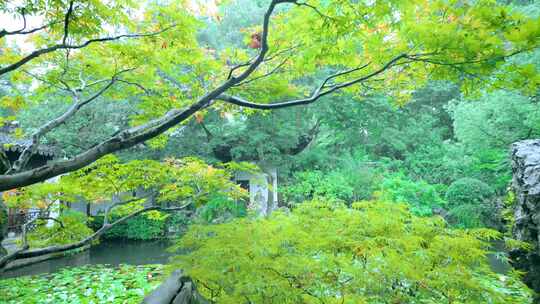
112	252
497	264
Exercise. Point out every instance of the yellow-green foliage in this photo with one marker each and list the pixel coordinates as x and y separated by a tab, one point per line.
177	181
322	253
74	229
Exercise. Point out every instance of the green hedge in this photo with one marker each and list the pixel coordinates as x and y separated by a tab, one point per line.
137	228
471	202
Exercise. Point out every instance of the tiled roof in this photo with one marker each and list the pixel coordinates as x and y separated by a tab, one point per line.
8	143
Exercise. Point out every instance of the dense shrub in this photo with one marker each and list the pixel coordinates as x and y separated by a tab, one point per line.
221	208
419	195
327	253
468	191
177	222
142	227
310	184
470	202
348	184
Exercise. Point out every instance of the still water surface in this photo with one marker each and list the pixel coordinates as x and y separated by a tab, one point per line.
112	252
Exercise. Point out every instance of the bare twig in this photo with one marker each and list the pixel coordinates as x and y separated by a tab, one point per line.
274	70
314	8
267	59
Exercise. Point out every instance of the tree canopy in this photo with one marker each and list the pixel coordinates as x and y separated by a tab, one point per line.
149	54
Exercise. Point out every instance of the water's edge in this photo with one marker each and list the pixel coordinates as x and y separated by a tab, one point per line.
115	252
110	252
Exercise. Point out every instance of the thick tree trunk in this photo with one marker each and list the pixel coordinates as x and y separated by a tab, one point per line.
526	184
177	289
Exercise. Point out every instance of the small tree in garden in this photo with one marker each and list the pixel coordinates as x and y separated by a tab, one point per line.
326	253
171	185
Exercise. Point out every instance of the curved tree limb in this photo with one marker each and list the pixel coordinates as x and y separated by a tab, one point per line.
23	30
321	91
75	107
135	135
25	252
65	46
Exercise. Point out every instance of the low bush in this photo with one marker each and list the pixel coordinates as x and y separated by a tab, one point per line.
348	184
220	208
470	202
142	227
419	195
327	253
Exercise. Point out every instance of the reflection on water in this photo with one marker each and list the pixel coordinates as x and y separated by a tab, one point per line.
112	252
496	259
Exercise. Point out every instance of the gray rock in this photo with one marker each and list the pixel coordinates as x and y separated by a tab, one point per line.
526	184
176	289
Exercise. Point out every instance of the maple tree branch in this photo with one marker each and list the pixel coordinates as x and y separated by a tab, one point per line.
39	78
135	84
321	91
25	226
30	150
25	252
121	203
138	134
421	57
43	51
66	22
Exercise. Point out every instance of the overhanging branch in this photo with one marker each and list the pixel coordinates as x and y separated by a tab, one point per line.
25	156
25	252
321	91
23	30
132	136
43	51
